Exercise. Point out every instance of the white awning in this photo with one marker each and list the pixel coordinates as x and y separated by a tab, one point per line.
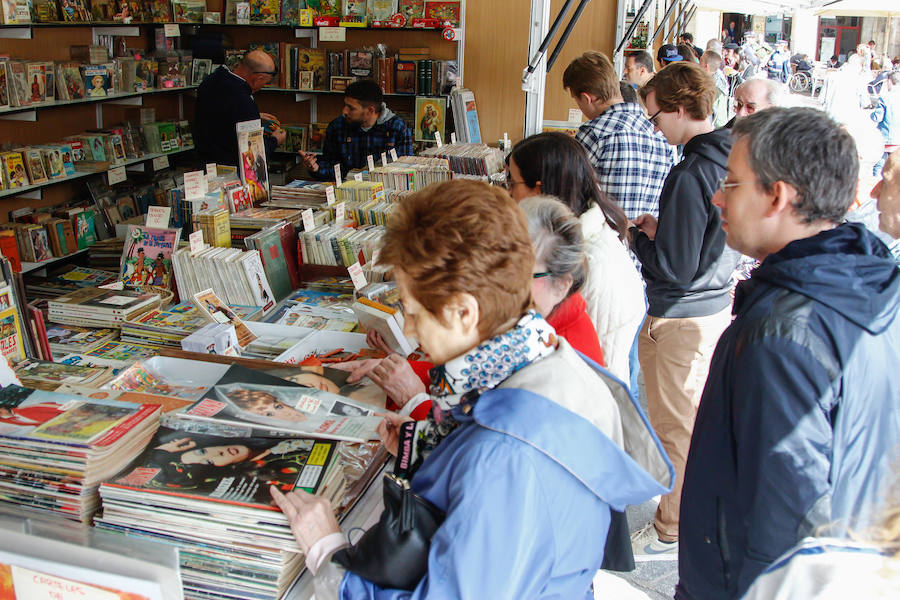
859	8
822	8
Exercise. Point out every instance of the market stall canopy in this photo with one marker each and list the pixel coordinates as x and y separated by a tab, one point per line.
753	7
822	8
859	8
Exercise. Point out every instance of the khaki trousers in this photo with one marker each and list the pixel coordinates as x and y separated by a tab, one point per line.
675	355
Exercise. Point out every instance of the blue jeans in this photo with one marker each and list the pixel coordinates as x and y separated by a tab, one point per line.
634	365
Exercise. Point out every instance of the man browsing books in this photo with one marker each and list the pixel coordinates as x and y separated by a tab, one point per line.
366	127
224	99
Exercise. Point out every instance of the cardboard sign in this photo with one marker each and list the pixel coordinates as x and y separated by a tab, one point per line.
309	222
172	30
211	171
195	185
332	34
371	161
340	212
158	216
393	154
329	195
337	175
196	241
161	162
437	138
383	159
116	175
452	137
357	177
356	276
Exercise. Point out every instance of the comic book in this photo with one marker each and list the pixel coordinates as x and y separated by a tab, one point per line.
147	256
137	378
72	338
11	335
252	165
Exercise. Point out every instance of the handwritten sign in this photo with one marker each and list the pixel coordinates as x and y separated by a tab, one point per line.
393	154
437	139
329	195
196	241
158	216
337	175
309	223
116	175
161	162
357	276
371	162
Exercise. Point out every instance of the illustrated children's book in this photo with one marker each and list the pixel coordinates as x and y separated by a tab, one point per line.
11	335
431	117
147	256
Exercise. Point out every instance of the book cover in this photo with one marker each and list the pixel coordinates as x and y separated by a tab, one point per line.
46	375
158	11
121	351
256	279
290	11
382	10
85	232
431	118
41	244
96	81
11	345
444	11
17	77
37	81
69	82
75	11
72	338
53	164
188	11
147	256
14	169
4	84
35	165
312	59
412	9
405	77
316	137
137	378
10	249
264	11
274	262
252	163
228	470
219	312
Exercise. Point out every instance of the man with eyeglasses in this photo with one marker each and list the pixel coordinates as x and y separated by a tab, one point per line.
224	99
754	95
687	269
799	423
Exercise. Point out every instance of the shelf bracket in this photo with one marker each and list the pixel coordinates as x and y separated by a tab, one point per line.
26	115
303	97
16	33
131	101
31	194
96	32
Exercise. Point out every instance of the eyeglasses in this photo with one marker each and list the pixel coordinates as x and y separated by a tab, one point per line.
653	118
751	106
509	183
539	275
723	187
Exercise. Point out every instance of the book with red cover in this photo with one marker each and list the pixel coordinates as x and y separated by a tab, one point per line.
10	249
288	234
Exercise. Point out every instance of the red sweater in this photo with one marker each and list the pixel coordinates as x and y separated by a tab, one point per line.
570	320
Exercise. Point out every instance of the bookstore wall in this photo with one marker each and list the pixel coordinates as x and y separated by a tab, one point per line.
172	328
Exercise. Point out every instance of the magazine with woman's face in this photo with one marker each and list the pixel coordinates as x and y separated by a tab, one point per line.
302	409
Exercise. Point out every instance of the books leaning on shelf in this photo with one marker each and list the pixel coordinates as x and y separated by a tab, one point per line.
97	307
465	115
479	160
47	375
278	247
57	448
236	276
209	495
168	327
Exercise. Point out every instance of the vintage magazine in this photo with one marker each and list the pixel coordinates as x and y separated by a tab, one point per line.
46	375
280	410
11	335
147	256
252	160
138	378
227	469
219	312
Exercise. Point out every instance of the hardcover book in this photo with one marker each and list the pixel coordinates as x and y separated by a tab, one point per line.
147	256
252	160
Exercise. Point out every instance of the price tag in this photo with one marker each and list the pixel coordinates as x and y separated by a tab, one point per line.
196	241
376	254
337	175
116	175
332	34
383	159
356	276
371	161
357	177
452	137
161	162
393	155
211	171
329	194
575	115
172	30
505	140
195	185
309	223
437	138
340	212
158	216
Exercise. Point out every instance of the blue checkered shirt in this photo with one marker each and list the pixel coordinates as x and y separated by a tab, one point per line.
349	145
631	160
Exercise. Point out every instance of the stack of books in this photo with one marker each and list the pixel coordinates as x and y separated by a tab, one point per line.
236	276
106	254
65	339
68	280
334	244
168	327
298	194
470	159
97	307
360	191
209	495
57	448
48	376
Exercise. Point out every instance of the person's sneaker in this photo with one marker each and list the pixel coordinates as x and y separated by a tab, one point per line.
646	545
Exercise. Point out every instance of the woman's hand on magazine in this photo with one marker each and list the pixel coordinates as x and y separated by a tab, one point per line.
358	368
376	340
389	431
311	517
396	377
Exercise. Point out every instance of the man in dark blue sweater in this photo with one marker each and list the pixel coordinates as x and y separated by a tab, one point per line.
224	99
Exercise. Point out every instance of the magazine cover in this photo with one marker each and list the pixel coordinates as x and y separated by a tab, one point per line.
4	83
42	374
431	117
305	410
11	335
122	351
256	278
333	381
137	378
36	414
235	471
219	312
252	163
147	256
35	166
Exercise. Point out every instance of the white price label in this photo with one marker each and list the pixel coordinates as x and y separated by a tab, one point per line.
195	185
329	195
211	171
309	223
196	241
116	175
158	216
371	160
376	254
575	115
505	140
393	155
340	212
337	175
357	177
383	159
332	34
437	139
172	30
161	162
452	137
356	276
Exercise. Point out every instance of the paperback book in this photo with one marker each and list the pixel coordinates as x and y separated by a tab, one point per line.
147	256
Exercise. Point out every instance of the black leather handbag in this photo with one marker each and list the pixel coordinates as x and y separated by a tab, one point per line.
393	553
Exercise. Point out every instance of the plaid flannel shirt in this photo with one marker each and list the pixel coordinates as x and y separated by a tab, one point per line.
349	145
631	160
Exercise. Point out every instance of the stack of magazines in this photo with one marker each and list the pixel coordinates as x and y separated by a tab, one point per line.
209	495
168	327
55	449
69	280
47	375
65	339
98	307
298	194
470	159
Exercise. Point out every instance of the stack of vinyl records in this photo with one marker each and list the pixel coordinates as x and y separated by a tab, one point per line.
106	254
55	449
97	307
209	495
68	280
168	327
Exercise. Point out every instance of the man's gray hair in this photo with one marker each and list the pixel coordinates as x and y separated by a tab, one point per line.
716	46
774	90
556	238
806	149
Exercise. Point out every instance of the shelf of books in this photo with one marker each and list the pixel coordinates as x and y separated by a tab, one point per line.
113	97
29	267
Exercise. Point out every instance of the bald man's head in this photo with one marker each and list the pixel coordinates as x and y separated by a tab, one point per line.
887	193
754	95
257	68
